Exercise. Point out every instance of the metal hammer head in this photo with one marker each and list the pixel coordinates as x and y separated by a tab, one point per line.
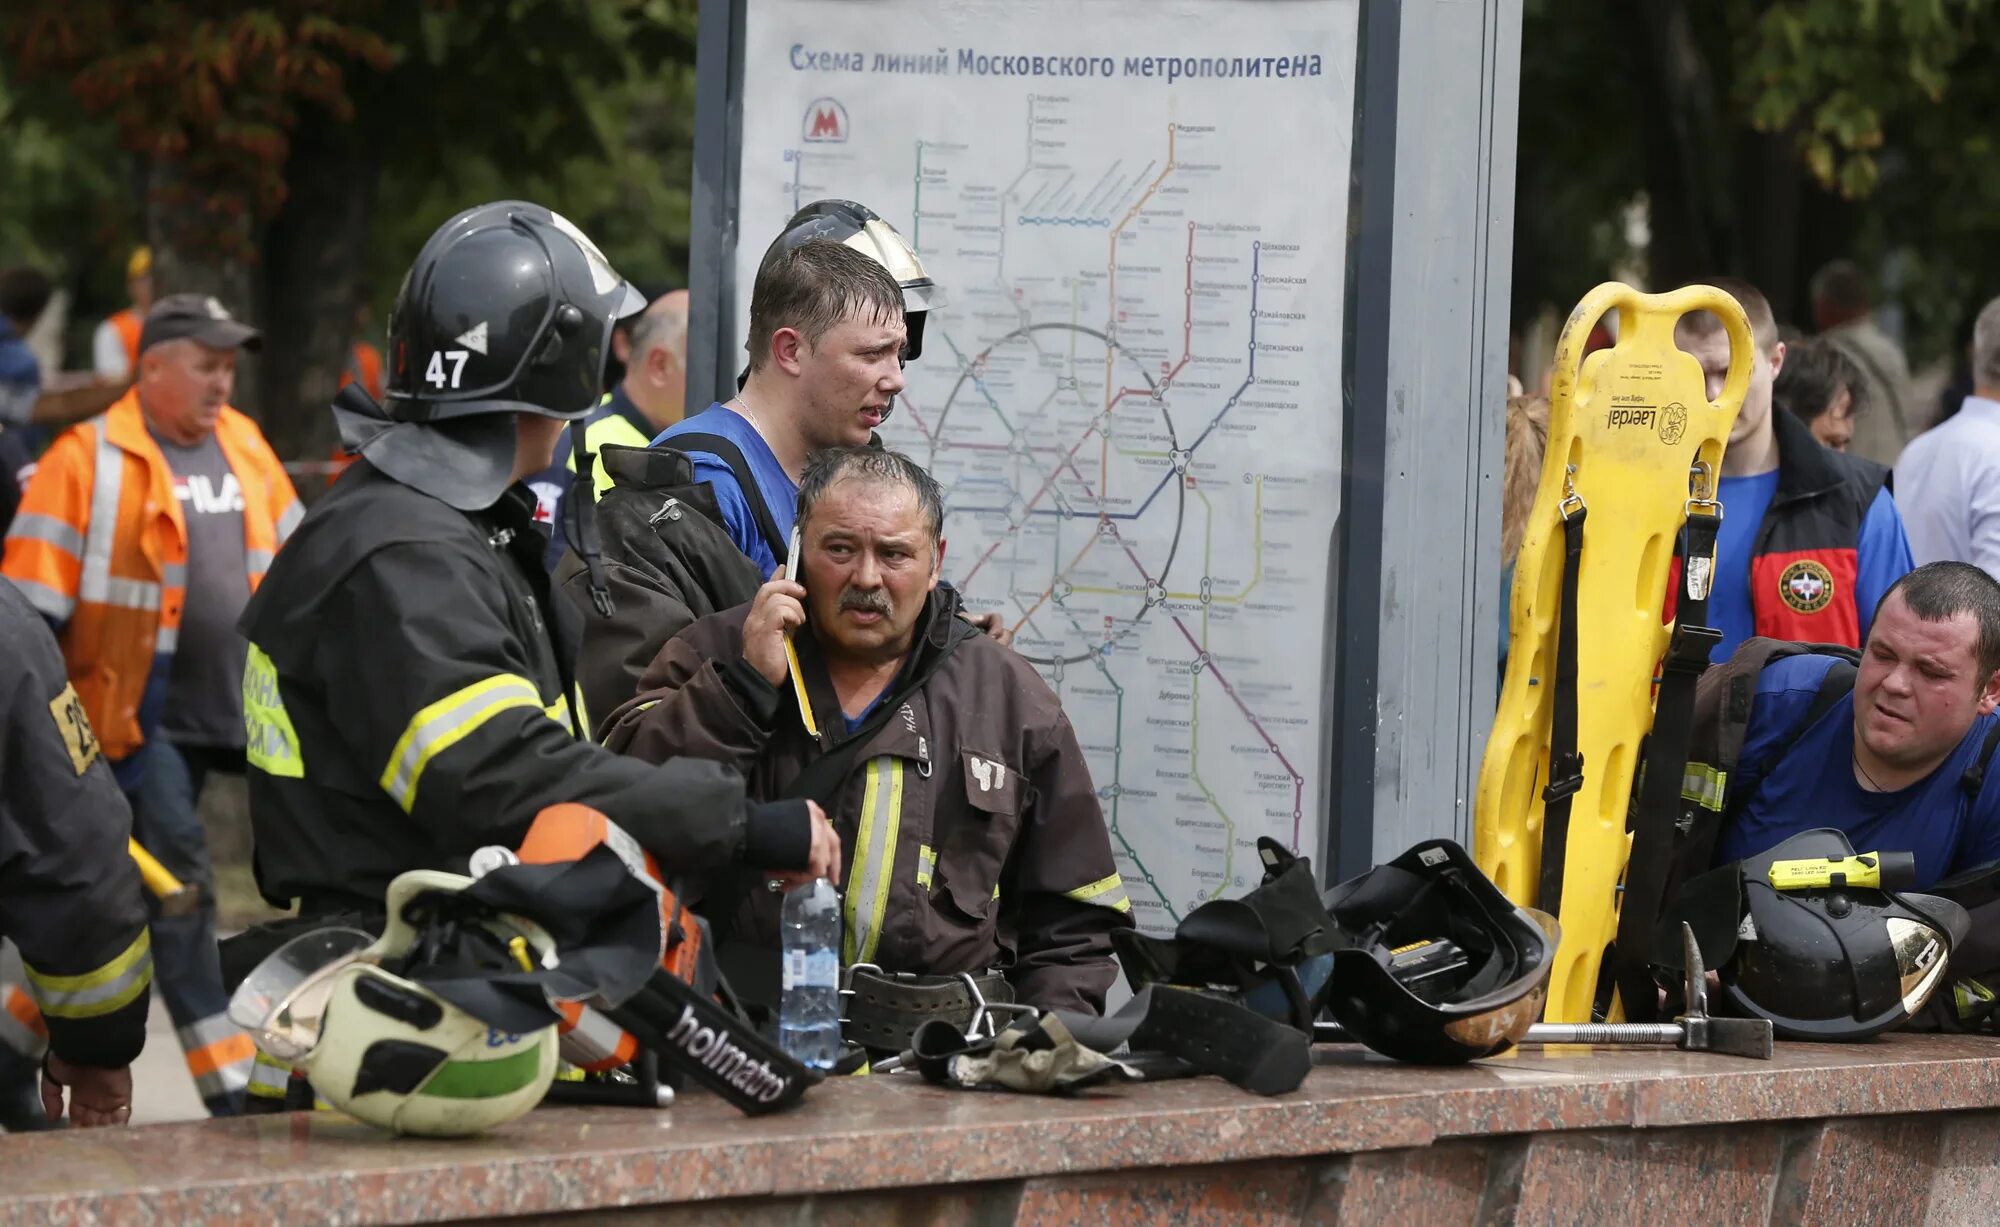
1736	1037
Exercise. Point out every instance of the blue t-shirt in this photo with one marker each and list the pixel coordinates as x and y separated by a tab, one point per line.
781	493
1744	502
1882	556
1803	779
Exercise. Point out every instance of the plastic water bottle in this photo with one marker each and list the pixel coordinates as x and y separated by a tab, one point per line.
809	1011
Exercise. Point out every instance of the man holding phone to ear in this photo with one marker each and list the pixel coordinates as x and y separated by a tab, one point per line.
973	837
696	522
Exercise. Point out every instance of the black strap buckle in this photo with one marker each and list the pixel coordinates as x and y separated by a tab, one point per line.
1565	778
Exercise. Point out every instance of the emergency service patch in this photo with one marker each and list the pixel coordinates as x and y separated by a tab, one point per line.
1806	586
74	725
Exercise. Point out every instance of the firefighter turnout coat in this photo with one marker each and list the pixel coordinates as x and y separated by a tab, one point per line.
972	835
409	699
69	893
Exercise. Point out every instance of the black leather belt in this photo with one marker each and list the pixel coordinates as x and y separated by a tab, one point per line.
884	1009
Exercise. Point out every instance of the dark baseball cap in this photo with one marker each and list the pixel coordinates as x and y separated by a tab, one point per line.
200	318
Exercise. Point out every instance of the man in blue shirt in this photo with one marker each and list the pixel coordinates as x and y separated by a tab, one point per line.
826	341
1888	762
1811	539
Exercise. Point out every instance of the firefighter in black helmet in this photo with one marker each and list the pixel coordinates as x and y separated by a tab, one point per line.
409	692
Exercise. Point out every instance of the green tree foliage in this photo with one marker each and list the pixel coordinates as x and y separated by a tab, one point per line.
295	153
1764	138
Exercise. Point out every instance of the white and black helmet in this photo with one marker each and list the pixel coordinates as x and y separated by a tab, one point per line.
858	226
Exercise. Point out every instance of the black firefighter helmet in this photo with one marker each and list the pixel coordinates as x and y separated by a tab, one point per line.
1433	964
508	309
1827	962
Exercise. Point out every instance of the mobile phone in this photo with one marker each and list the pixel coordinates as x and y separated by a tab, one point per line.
792	555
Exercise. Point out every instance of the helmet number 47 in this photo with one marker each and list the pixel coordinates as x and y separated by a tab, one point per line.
434	373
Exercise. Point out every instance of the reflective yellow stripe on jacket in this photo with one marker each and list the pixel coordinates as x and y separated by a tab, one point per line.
451	720
874	860
112	986
1105	892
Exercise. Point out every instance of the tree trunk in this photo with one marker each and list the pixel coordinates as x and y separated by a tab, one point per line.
311	284
197	250
1687	177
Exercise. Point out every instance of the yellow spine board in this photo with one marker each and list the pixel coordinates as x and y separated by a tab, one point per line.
1626	427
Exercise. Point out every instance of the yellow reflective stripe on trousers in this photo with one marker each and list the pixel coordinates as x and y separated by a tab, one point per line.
874	859
447	722
926	865
269	1077
1105	892
110	987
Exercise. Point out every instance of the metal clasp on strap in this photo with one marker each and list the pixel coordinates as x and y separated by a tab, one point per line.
1701	491
1572	504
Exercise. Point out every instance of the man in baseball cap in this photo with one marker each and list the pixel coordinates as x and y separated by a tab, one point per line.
200	318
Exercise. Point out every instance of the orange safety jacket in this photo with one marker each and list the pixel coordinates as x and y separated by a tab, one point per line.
100	548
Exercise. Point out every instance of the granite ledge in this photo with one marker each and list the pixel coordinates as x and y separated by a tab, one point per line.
896	1132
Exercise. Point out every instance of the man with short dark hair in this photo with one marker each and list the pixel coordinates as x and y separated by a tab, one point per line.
1844	315
1888	762
946	764
1811	540
1949	476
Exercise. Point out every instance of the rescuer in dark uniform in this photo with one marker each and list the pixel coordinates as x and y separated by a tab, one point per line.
69	893
409	694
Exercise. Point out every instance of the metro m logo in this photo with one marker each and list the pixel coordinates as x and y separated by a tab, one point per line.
825	122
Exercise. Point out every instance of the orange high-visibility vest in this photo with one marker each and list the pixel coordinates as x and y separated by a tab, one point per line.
100	548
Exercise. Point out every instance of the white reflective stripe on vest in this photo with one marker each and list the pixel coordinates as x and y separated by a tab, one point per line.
288	519
107	480
167	641
34	526
258	561
874	859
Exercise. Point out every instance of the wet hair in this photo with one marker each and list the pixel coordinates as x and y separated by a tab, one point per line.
812	288
1939	591
1763	325
877	465
1815	372
24	294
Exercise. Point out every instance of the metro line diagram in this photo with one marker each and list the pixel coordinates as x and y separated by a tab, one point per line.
1091	399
